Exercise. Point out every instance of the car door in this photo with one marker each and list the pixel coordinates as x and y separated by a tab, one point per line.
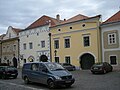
34	73
1	71
43	74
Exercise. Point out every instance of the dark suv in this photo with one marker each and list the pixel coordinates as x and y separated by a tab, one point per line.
8	71
51	74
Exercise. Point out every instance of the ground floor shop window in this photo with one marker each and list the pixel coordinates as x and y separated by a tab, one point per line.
113	60
57	59
67	59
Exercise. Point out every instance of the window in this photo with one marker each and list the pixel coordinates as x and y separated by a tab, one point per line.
56	44
83	25
59	29
70	27
35	67
112	38
31	45
42	67
67	59
113	60
57	59
24	60
42	44
24	46
86	41
9	35
67	43
37	34
14	47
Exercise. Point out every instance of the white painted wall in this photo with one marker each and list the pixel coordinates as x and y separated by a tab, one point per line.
109	28
10	31
36	40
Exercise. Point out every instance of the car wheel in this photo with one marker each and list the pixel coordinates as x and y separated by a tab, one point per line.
4	77
51	84
26	80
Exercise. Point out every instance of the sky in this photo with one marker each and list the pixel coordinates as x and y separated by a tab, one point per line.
22	13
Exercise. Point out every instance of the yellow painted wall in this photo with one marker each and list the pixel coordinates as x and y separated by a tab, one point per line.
76	40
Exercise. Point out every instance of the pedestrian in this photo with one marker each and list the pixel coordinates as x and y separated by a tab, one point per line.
14	61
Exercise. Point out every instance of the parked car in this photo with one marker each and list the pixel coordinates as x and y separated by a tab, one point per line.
68	66
8	71
102	67
48	73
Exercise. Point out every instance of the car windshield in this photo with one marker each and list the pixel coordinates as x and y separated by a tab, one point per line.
54	66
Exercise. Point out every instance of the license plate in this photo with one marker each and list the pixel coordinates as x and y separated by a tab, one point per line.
68	81
12	74
95	68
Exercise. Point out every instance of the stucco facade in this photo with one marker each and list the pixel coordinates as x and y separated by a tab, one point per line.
34	36
35	40
76	32
10	46
113	49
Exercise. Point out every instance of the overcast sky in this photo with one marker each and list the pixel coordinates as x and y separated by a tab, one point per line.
21	13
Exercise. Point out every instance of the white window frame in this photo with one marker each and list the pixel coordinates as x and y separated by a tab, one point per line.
30	45
24	46
42	46
89	40
68	37
112	38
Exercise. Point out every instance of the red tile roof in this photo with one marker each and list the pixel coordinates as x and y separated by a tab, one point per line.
16	30
44	20
76	18
114	18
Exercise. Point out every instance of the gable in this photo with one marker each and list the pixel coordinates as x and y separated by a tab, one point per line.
10	33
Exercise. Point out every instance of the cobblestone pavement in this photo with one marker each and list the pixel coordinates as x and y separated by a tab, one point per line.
85	80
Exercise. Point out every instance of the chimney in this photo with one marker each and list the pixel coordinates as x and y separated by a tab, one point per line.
58	17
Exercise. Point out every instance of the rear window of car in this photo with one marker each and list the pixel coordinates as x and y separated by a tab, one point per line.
98	64
11	68
26	66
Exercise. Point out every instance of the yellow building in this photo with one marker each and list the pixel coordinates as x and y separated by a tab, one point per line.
76	41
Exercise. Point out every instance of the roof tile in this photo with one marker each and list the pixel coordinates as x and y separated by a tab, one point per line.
44	20
114	18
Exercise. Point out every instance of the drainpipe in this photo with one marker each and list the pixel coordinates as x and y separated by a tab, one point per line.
18	52
1	50
50	47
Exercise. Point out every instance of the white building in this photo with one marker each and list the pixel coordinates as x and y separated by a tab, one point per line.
110	34
10	46
35	40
